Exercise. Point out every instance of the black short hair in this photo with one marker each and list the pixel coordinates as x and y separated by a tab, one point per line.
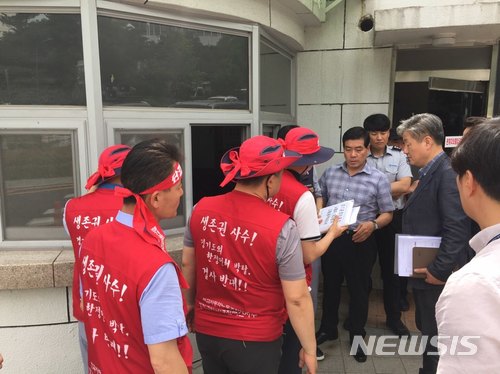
355	133
479	152
473	121
284	130
377	122
148	163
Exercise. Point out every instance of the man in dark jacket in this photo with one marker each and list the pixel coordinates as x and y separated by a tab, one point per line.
433	209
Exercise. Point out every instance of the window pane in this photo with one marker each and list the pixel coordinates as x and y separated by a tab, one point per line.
275	81
38	177
176	138
41	59
147	64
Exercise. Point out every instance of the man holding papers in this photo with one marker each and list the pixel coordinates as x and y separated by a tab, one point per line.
433	209
353	253
470	301
297	201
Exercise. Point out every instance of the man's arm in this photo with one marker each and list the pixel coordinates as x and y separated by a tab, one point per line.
313	250
297	297
165	358
189	272
162	320
400	187
300	311
456	226
306	217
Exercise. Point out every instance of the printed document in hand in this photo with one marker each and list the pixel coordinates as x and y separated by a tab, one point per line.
345	210
403	256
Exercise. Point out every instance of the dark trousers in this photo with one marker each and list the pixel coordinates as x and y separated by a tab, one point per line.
386	238
425	319
228	356
289	363
354	261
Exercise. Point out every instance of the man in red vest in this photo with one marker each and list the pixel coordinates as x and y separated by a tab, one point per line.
243	261
134	310
298	202
86	212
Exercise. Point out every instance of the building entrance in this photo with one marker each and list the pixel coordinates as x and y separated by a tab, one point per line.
209	143
452	100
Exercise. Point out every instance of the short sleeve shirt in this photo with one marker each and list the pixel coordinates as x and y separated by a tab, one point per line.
369	188
394	165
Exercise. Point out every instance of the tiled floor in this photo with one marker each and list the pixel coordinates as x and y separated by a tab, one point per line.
337	358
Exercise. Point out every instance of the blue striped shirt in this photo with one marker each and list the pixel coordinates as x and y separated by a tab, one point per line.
369	188
426	168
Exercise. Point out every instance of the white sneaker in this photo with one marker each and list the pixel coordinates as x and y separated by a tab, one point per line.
320	356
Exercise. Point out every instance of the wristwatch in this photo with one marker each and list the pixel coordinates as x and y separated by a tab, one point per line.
375	224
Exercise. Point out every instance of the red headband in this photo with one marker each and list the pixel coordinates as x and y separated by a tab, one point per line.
237	166
145	224
110	163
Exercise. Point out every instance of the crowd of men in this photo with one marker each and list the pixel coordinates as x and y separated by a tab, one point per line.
246	279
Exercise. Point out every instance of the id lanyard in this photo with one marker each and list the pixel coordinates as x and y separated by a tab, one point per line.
494	238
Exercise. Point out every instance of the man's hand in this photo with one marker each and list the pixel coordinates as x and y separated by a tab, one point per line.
309	361
363	232
335	229
190	318
1	360
429	278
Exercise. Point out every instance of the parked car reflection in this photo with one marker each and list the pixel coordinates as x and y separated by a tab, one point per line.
213	102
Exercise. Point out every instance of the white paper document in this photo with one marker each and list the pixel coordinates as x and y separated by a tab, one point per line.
346	211
403	256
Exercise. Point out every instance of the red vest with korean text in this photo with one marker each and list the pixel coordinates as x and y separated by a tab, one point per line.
238	288
83	214
116	266
285	201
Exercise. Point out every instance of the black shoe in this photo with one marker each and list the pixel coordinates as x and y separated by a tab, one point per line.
320	356
398	328
404	305
347	324
322	336
360	355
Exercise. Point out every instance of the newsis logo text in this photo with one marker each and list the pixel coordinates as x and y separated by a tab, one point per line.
389	345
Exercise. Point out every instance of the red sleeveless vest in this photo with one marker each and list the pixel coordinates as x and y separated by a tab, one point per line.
238	289
285	201
83	214
116	266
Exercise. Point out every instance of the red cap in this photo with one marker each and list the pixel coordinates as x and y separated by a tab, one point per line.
257	156
304	141
110	164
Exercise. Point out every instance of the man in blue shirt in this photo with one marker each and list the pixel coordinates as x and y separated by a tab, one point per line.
353	253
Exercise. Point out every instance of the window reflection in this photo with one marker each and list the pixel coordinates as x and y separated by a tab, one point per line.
275	81
37	179
152	65
41	59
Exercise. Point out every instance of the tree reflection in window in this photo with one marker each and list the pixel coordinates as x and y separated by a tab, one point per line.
147	64
41	59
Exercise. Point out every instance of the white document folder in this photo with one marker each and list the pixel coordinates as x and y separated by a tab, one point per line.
403	255
346	211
